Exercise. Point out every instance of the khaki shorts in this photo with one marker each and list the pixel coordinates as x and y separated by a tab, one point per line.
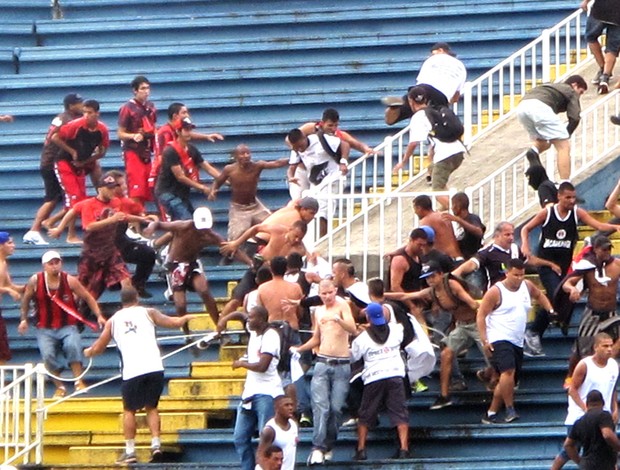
443	169
463	336
241	217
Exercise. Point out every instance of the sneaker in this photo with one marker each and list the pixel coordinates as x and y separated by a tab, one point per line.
156	455
305	421
32	237
511	415
316	457
390	101
441	402
429	180
419	386
533	158
492	419
458	386
597	78
603	86
328	456
360	454
350	423
615	120
126	458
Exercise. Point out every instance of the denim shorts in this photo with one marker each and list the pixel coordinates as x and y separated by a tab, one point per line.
176	207
594	28
54	344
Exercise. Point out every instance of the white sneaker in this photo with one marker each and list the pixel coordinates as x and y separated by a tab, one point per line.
32	237
168	295
328	456
316	457
350	422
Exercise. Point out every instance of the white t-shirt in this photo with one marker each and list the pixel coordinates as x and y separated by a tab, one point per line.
268	382
134	334
381	361
507	322
598	378
315	154
444	73
419	132
287	441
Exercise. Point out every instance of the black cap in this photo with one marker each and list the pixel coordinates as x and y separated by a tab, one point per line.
430	268
71	99
444	46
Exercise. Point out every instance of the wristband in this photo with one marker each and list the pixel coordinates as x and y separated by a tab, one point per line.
344	161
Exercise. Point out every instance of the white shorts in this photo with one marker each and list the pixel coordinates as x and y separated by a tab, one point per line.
540	121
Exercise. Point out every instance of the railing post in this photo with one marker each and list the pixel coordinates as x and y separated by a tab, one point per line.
467	113
546	57
388	144
40	413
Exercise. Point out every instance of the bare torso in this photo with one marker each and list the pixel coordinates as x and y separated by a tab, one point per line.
460	311
286	216
270	296
189	241
334	339
603	297
243	182
445	241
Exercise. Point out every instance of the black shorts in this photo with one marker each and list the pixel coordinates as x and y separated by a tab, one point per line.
53	191
507	356
5	350
389	394
246	285
142	391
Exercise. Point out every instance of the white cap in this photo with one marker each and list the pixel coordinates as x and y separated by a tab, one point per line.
49	256
203	218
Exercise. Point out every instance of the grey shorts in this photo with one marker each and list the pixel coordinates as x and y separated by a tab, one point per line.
540	121
443	169
463	336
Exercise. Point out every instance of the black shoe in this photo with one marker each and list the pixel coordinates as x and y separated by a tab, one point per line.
533	158
615	120
402	454
441	402
486	419
458	386
156	455
360	454
603	86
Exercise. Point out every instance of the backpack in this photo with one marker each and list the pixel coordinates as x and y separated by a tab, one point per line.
288	337
447	127
474	292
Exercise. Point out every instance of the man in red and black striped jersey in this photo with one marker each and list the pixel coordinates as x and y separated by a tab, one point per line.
53	292
82	142
136	131
53	192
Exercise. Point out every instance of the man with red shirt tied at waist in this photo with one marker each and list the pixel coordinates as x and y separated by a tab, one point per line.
53	192
53	293
82	142
136	131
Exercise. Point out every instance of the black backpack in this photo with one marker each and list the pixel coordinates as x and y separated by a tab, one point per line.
470	288
288	337
447	127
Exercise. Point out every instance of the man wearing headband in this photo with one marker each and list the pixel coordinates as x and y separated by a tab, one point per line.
7	248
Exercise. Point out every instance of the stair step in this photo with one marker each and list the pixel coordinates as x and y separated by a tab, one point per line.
205	387
97	454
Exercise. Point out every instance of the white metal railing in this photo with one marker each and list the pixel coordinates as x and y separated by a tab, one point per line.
382	220
21	423
487	102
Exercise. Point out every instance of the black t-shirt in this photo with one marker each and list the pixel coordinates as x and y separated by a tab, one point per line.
166	181
468	242
596	455
493	260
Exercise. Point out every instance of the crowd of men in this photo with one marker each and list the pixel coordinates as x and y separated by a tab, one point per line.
369	343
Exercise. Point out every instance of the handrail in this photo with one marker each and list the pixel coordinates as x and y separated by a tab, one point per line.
487	101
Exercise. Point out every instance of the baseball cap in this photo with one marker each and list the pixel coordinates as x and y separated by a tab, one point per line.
107	181
203	218
358	292
49	256
429	268
430	233
309	203
602	242
186	123
4	237
443	45
71	99
374	312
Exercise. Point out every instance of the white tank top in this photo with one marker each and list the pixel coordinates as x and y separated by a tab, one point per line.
285	440
598	378
507	322
134	334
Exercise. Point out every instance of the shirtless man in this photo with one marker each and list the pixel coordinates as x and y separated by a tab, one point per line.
302	209
7	248
600	273
462	307
445	241
185	272
333	324
245	209
271	294
283	240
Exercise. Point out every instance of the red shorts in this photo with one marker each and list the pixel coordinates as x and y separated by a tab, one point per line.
72	181
138	172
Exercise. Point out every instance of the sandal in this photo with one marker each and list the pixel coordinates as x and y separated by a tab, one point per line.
80	385
60	392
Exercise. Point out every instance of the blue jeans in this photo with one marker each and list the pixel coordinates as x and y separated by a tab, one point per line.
330	385
246	425
54	343
177	208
